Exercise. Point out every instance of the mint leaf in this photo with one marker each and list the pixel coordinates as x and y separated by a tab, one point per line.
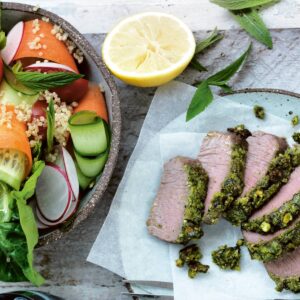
224	75
250	20
213	38
241	4
40	81
197	66
201	99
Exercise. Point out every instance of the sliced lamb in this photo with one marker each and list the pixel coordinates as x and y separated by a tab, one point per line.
177	211
285	271
223	156
280	211
262	148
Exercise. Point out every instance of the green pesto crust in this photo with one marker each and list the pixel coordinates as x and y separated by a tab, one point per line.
194	210
291	283
278	219
277	175
287	241
232	186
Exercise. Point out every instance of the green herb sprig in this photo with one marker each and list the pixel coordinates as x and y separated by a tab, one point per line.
50	125
214	37
245	12
203	95
40	81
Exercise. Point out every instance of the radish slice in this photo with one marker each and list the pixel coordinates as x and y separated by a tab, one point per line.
71	210
53	193
71	172
13	42
48	66
40	225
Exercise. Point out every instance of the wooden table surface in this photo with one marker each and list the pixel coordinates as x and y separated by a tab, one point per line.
63	262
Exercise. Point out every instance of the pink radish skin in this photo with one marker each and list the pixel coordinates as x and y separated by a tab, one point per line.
48	66
71	172
13	42
53	193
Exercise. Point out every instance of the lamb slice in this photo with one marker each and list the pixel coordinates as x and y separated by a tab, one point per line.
223	157
277	175
269	247
262	148
280	211
177	211
285	271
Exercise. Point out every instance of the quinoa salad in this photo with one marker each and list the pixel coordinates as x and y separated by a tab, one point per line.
54	139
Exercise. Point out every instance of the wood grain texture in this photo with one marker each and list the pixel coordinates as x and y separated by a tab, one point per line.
63	263
99	16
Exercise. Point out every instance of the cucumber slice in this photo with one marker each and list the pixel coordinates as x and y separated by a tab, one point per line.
6	203
10	96
16	85
91	166
89	133
12	167
84	181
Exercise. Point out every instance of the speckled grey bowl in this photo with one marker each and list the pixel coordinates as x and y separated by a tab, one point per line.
96	71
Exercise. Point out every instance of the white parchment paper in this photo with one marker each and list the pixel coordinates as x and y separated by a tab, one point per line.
123	244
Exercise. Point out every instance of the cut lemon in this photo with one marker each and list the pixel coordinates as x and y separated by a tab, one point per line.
148	49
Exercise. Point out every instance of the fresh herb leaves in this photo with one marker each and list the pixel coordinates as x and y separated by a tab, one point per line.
203	95
214	37
241	4
246	14
50	125
40	81
251	21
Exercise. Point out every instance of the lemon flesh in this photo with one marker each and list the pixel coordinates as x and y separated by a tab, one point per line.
148	49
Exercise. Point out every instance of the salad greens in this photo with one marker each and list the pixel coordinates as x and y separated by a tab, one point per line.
50	125
18	231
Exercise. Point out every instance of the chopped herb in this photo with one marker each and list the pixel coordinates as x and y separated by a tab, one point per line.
291	283
277	175
191	255
228	258
241	131
259	112
197	185
276	220
296	137
295	120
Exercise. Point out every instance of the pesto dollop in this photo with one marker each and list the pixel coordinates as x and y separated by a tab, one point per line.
194	210
228	258
295	120
283	243
259	112
191	255
241	131
277	175
296	137
291	283
278	219
232	186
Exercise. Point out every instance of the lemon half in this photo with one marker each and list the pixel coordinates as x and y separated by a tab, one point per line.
148	49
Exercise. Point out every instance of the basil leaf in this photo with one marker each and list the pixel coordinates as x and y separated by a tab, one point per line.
50	125
213	38
201	99
197	66
224	75
241	4
251	21
40	81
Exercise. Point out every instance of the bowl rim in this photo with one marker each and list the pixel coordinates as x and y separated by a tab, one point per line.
115	123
